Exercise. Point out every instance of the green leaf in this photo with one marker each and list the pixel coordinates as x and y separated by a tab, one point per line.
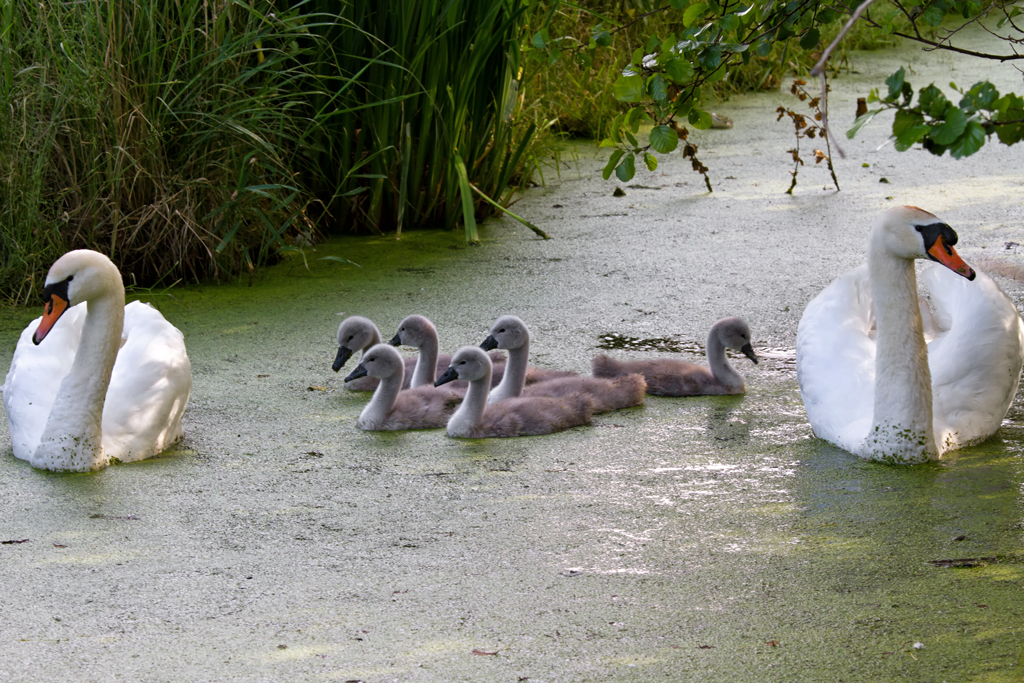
699	119
538	40
663	139
970	142
651	161
677	4
1009	107
679	70
980	96
810	39
764	47
730	22
629	88
693	12
603	38
614	129
909	128
626	170
951	128
932	101
717	75
895	83
612	162
712	58
934	15
658	89
862	121
632	120
607	142
631	139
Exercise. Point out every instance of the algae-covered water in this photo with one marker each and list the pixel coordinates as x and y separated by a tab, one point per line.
691	539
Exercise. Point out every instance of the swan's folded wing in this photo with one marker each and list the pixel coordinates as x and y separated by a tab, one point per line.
835	356
35	376
976	362
149	387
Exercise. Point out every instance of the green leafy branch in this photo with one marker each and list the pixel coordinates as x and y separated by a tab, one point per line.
663	82
940	124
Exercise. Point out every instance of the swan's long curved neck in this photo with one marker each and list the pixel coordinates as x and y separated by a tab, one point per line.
514	379
426	364
470	412
721	368
902	428
73	437
383	400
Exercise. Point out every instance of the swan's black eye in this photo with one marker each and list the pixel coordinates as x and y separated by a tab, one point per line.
501	330
350	337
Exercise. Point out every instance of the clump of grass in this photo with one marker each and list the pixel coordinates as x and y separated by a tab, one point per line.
198	138
441	76
157	132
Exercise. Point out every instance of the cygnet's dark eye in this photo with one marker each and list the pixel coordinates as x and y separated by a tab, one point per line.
501	330
350	337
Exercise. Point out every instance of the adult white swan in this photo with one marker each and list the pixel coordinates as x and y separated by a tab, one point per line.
871	383
107	383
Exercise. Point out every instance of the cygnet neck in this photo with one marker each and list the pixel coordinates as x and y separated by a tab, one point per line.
383	400
470	412
426	361
718	361
514	379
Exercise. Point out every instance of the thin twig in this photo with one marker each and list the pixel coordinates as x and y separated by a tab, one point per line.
819	69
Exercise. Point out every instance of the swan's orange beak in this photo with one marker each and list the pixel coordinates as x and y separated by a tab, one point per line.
947	256
52	311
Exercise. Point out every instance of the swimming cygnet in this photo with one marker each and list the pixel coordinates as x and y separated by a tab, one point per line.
391	407
523	416
357	333
669	377
511	333
417	331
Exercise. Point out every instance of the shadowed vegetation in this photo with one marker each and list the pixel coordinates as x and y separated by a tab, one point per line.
197	138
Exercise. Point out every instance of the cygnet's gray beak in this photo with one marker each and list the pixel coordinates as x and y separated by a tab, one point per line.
360	371
490	343
396	340
449	375
344	354
748	351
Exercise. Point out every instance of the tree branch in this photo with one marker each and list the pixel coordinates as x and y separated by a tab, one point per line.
819	69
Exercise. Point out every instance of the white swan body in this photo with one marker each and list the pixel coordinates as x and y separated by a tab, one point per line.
671	377
871	383
519	416
107	382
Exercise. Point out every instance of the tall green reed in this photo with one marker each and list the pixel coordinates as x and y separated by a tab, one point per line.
159	132
442	74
